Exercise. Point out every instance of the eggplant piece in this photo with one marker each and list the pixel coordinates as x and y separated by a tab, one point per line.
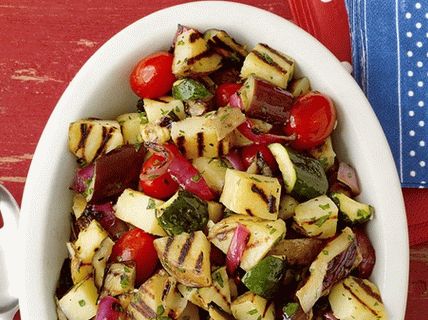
265	101
298	252
65	282
368	254
226	75
110	174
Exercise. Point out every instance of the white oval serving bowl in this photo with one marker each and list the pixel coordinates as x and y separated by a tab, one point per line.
100	89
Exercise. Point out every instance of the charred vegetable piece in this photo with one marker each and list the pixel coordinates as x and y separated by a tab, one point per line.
100	259
186	257
263	236
119	279
79	270
190	89
355	298
139	210
169	107
300	86
225	120
110	174
348	176
195	137
213	170
65	282
184	212
317	217
89	241
264	278
251	194
157	298
352	211
303	176
90	139
192	55
130	124
225	45
268	64
287	207
262	100
324	154
80	303
297	252
218	293
332	264
250	306
368	254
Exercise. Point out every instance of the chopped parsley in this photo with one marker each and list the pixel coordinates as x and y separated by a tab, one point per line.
82	303
253	311
151	204
320	221
290	309
218	278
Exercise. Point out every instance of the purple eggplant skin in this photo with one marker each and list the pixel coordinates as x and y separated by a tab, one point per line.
368	254
266	101
116	171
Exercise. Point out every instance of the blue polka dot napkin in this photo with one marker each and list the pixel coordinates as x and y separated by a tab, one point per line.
390	62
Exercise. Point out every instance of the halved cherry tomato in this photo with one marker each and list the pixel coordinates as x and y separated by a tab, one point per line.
136	245
152	77
249	153
159	186
224	91
312	119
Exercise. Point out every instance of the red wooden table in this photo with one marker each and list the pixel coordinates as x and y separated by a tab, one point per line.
43	43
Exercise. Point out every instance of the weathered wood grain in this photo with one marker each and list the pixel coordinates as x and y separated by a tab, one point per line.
42	46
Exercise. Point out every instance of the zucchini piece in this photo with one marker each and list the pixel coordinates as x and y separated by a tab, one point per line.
130	124
186	257
297	252
317	217
218	293
139	210
287	206
213	170
303	177
264	234
184	212
157	298
332	264
324	154
192	55
100	259
352	211
299	87
89	241
89	139
262	100
355	298
251	194
163	107
264	278
80	303
195	138
190	89
250	306
119	279
225	45
268	64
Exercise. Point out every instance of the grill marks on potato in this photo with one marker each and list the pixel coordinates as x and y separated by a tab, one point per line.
263	58
370	292
200	142
269	200
277	53
185	249
143	309
181	141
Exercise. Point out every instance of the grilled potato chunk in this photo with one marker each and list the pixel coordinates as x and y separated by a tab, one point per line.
324	154
355	298
298	87
100	259
89	139
213	171
225	45
268	64
250	306
164	107
89	241
131	126
79	271
196	138
119	279
157	297
251	194
80	303
192	55
263	235
186	257
218	293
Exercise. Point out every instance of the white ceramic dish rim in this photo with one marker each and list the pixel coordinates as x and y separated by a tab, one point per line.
101	89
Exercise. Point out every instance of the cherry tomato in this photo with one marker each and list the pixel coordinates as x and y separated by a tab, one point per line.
224	91
312	119
249	153
159	186
136	245
152	77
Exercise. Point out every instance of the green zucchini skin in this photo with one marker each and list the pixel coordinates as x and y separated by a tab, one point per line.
352	212
311	178
184	212
265	277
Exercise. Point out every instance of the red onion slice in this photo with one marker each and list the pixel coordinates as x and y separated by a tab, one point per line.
348	176
235	101
237	247
248	130
82	178
235	160
110	308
